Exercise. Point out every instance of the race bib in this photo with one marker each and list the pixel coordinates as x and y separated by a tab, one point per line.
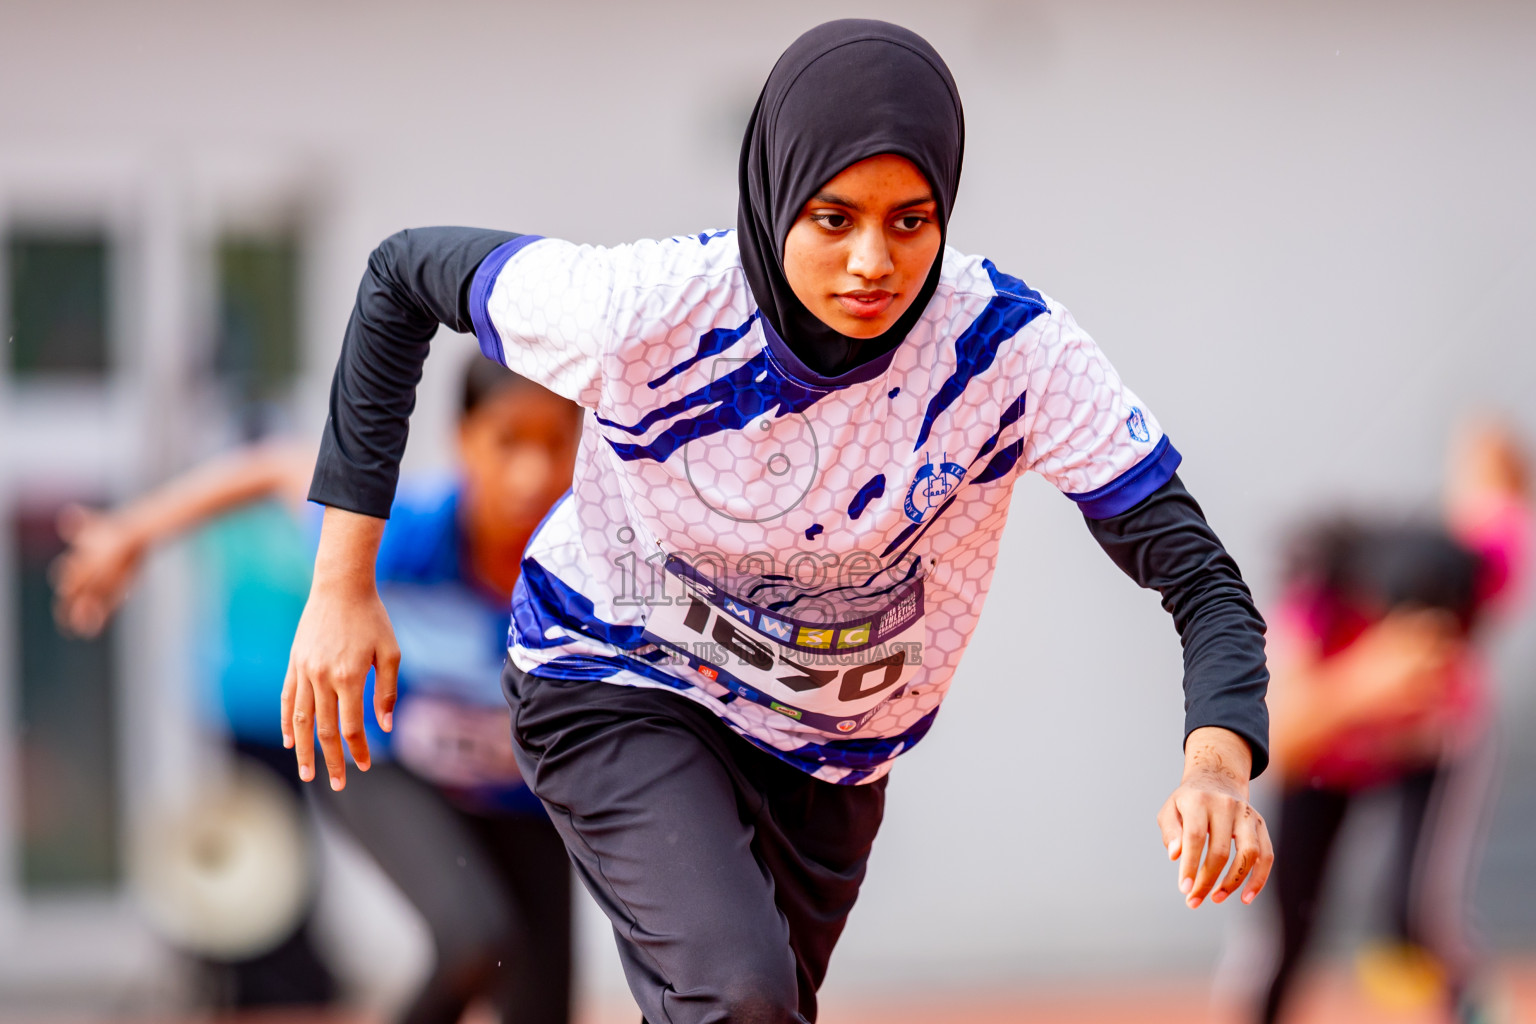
827	658
455	744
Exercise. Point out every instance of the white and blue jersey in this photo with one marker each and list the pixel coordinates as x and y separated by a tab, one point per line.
804	556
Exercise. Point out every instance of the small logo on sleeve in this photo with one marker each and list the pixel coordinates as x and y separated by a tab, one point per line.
1136	423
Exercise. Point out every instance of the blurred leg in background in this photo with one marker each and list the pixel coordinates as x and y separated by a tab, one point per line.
1306	828
494	892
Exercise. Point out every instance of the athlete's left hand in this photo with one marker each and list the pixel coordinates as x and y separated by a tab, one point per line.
1211	803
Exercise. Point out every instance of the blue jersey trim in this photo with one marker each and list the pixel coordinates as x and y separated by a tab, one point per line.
1008	312
600	668
480	294
1132	487
1003	462
1001	465
711	343
868	493
860	758
754	389
541	600
800	373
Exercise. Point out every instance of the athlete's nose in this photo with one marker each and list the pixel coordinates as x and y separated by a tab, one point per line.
870	256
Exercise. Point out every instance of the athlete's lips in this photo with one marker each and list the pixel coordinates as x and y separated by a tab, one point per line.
866	304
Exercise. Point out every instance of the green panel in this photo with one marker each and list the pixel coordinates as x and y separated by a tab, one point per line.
67	735
58	296
258	342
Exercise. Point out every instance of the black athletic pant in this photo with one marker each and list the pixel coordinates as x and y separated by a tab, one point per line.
495	892
727	874
1441	814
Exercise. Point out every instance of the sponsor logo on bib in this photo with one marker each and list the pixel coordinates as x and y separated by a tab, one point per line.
815	638
856	636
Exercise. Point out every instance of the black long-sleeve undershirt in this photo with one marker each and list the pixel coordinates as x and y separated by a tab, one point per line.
1165	544
420	278
416	280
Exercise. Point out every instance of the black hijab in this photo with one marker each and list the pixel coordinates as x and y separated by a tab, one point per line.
843	92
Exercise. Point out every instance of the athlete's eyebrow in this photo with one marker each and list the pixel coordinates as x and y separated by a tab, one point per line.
832	198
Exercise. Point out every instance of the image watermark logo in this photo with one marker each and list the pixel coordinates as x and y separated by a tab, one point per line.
761	471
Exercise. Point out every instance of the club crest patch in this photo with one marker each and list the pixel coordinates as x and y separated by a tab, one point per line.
931	486
1136	423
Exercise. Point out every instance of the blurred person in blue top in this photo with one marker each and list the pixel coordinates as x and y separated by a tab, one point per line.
444	811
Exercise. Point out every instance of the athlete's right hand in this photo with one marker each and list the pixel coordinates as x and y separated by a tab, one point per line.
93	575
343	632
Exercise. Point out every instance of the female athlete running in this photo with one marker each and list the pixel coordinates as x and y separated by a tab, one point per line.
792	480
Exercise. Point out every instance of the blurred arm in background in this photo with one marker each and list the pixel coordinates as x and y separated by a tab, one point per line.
1488	504
106	548
1396	668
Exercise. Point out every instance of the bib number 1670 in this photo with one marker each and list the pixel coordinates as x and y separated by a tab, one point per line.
854	682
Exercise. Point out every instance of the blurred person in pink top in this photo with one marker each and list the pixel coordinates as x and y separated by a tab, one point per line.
1378	684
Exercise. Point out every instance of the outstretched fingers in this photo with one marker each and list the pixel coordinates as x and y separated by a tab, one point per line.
1220	822
303	724
1172	828
351	719
1193	821
328	732
1266	860
1204	835
385	686
285	704
1245	837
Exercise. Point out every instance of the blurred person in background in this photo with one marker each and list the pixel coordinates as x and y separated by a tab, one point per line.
444	811
1378	685
242	846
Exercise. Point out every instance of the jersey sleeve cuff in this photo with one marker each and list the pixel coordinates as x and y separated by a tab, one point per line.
1132	487
480	295
340	483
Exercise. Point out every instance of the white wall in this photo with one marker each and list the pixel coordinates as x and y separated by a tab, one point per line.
1304	233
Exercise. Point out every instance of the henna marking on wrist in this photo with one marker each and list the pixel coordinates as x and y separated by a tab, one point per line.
1210	762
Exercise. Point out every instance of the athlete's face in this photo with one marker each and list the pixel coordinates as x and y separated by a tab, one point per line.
518	449
860	250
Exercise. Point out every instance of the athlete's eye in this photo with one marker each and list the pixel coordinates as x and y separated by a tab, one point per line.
911	222
831	220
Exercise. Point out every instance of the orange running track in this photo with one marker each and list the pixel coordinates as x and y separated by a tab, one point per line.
1329	997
